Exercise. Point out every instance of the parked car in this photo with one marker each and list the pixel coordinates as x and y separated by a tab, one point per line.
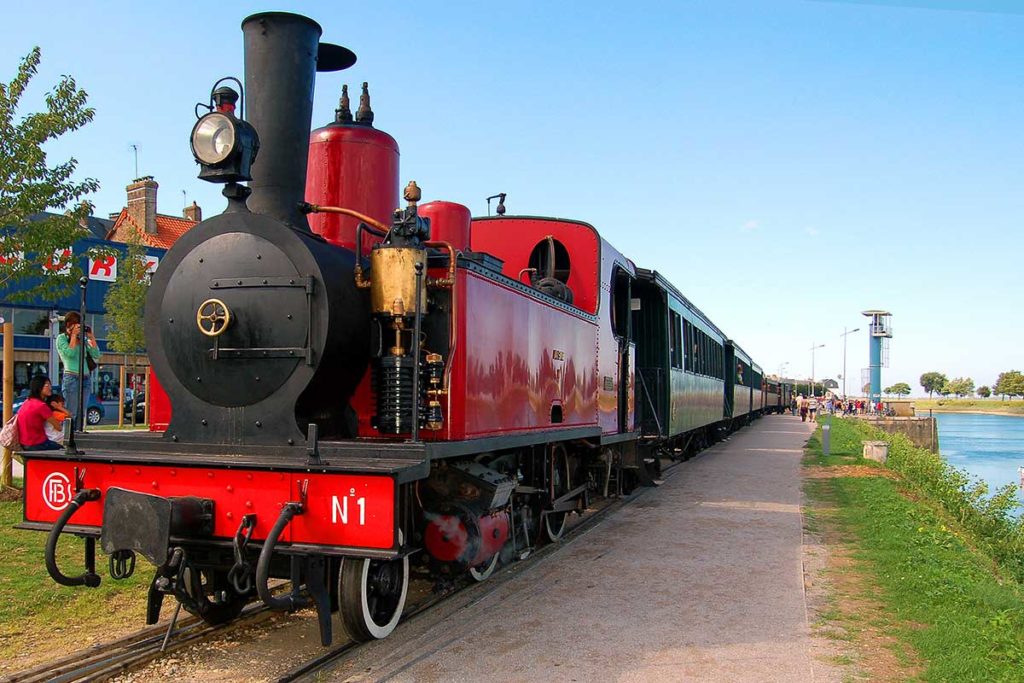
140	409
94	411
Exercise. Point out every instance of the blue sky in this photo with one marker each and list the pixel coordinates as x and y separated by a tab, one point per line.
787	164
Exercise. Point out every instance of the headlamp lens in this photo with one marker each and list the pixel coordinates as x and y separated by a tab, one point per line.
213	138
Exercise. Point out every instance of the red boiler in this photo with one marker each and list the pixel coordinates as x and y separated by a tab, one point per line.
449	222
354	166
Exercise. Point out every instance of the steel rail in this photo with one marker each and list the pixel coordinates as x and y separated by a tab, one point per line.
104	660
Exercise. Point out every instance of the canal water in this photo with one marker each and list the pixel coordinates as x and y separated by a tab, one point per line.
990	447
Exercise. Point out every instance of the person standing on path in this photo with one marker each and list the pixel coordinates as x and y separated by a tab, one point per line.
803	408
812	407
69	350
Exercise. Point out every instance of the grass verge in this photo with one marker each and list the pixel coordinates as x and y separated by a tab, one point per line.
939	591
41	620
970	405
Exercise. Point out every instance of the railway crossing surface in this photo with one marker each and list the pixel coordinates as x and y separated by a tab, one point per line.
700	579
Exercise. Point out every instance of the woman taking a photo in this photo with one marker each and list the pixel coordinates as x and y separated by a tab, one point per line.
33	416
69	350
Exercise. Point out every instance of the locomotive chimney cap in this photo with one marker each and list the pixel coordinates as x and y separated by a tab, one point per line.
329	57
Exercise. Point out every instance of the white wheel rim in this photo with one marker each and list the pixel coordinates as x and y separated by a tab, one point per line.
372	627
483	573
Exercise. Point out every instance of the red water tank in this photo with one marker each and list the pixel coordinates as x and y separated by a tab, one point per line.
354	166
449	222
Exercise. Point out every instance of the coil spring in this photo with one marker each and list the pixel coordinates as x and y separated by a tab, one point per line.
394	394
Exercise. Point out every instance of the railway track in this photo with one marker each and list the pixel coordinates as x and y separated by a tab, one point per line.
106	660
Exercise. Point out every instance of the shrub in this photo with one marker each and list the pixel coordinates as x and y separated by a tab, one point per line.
991	517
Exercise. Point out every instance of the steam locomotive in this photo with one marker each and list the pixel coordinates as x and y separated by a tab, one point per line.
346	386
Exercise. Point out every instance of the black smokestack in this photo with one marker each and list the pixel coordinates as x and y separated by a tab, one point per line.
281	61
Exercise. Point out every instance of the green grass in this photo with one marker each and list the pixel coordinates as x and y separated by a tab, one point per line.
33	607
127	427
969	405
939	591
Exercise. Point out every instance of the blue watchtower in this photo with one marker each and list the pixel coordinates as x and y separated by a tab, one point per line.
879	334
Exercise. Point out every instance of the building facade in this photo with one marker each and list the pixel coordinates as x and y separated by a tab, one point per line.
37	323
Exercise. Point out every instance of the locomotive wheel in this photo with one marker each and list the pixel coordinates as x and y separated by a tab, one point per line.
220	603
372	595
484	571
554	522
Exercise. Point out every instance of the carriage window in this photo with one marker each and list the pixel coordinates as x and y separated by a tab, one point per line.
688	354
706	368
691	348
620	300
675	340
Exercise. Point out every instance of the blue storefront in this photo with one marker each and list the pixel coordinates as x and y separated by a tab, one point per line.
37	323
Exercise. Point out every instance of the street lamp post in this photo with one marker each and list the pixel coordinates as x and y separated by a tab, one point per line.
813	347
843	335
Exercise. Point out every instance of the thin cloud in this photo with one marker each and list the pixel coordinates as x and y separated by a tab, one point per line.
750	226
812	231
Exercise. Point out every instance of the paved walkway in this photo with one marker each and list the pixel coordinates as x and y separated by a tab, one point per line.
698	580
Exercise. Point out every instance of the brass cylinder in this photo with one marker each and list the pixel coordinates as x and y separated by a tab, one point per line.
393	280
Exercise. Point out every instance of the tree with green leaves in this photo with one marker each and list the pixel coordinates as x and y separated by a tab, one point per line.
35	255
1010	383
932	382
960	386
900	389
983	391
125	303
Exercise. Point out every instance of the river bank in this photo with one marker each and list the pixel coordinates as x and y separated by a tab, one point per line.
939	566
968	405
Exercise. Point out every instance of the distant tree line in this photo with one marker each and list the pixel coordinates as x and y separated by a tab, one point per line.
1007	385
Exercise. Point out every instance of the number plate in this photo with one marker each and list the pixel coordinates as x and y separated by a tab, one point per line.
348	510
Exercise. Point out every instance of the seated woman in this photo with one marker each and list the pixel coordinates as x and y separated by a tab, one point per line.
34	415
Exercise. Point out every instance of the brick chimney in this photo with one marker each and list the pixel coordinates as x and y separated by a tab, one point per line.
193	213
142	203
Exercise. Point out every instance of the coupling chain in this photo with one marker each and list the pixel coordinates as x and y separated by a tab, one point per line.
240	574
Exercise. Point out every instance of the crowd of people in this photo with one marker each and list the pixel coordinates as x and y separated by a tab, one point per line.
808	408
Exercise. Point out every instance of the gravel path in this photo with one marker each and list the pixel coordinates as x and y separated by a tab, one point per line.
700	579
